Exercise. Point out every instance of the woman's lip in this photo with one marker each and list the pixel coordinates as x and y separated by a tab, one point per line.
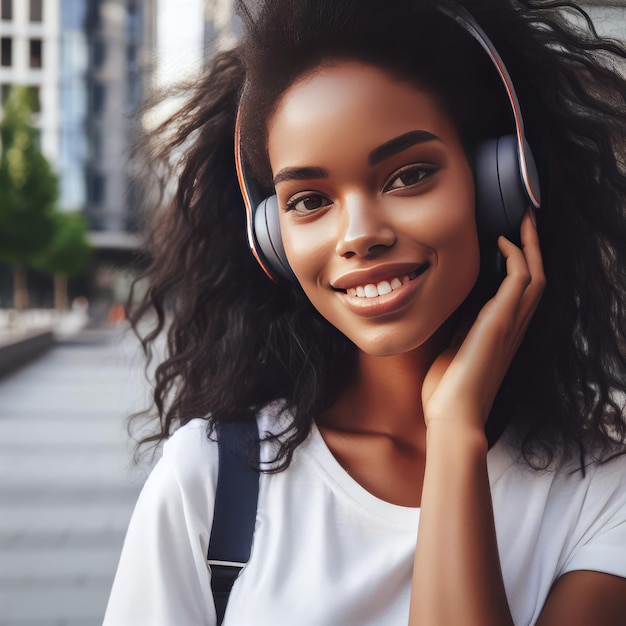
383	305
375	275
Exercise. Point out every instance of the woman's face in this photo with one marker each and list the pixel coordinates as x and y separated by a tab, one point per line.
376	204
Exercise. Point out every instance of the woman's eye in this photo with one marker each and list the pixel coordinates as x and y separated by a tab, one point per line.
307	203
409	176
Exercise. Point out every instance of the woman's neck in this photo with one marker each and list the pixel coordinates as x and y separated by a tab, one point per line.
385	397
376	429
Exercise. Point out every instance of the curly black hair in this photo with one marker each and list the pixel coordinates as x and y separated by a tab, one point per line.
237	341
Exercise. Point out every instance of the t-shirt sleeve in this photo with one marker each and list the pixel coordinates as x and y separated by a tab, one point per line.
163	578
601	545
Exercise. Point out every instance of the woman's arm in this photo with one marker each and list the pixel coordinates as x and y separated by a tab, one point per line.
457	577
583	597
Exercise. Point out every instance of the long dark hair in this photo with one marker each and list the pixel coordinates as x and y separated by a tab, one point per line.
237	341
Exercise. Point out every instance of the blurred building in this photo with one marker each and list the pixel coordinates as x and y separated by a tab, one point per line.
89	64
29	55
107	51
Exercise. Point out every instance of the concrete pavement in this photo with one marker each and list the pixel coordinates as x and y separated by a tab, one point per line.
67	484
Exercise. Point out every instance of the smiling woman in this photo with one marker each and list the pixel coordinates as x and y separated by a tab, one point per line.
436	370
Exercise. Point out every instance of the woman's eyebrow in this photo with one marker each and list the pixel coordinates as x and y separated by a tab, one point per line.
299	173
398	144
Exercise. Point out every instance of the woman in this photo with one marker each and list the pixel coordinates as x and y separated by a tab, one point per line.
407	386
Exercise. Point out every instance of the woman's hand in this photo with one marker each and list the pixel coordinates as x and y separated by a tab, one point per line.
463	381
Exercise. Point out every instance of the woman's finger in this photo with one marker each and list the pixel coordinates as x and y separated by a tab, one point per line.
526	270
532	252
506	303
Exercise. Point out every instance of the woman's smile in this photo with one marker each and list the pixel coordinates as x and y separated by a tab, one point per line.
371	296
376	204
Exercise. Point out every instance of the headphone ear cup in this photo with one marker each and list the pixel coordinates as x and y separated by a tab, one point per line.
269	239
501	199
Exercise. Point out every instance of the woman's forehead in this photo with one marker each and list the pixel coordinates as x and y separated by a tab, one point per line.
362	103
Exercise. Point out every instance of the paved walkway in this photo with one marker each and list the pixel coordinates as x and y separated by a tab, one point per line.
67	484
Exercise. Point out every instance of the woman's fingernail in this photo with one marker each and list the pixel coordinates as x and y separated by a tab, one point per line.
533	215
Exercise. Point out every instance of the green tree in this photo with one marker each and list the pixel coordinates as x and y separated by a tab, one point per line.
28	192
68	253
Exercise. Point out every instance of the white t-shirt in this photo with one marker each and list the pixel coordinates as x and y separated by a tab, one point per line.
328	553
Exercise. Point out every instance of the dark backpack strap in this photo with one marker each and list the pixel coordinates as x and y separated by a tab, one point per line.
235	508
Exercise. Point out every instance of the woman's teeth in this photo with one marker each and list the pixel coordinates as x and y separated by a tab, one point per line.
373	290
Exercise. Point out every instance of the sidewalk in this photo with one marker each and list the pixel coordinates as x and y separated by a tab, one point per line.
67	487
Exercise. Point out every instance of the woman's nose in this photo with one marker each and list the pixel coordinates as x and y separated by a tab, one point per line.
364	231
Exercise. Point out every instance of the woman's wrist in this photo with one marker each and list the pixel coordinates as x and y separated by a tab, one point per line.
453	434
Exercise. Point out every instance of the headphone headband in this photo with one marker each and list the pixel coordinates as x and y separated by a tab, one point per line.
247	191
461	16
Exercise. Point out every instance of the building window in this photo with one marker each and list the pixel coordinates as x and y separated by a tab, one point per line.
73	14
6	9
131	55
97	98
36	53
132	21
95	189
92	17
94	142
98	53
36	10
6	51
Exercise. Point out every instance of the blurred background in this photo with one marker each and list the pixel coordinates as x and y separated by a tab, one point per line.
74	79
73	75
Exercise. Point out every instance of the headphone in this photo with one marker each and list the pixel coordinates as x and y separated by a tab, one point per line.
505	176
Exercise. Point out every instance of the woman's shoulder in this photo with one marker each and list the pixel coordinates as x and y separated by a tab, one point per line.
190	453
184	476
508	464
192	450
573	519
189	440
585	502
603	482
